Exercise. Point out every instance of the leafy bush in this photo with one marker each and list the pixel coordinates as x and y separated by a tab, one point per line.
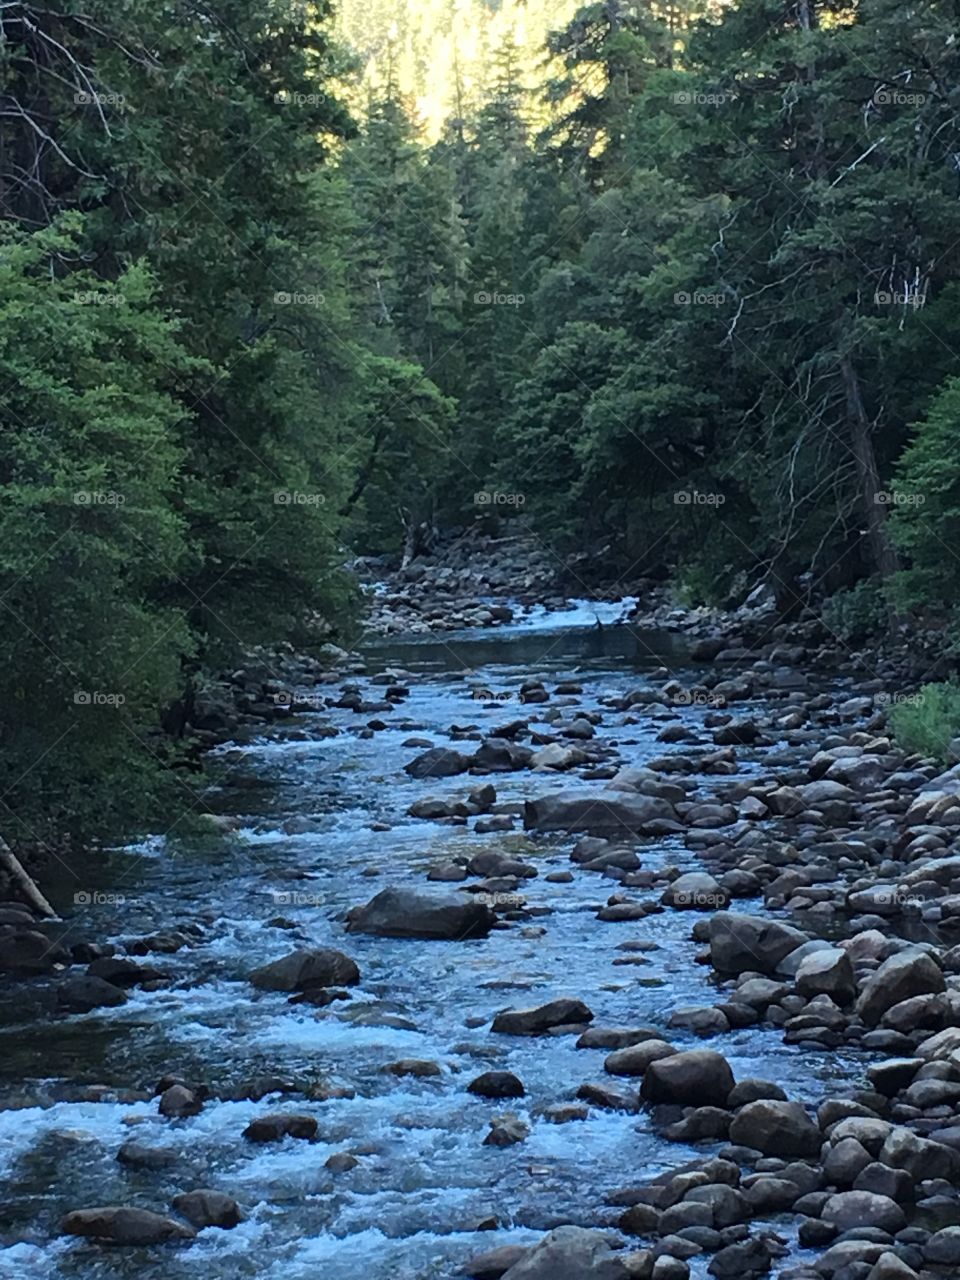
927	722
857	614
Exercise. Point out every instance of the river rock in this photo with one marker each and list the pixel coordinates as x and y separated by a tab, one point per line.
506	1131
571	1253
205	1208
742	944
696	891
850	1209
177	1102
438	762
827	972
540	1018
699	1077
140	1156
29	951
596	813
911	972
123	1224
401	913
497	1084
495	1263
303	969
80	993
274	1128
776	1129
633	1060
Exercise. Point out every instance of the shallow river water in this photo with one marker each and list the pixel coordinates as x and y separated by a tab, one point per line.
424	1184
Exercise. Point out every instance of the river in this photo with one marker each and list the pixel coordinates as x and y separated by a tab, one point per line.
426	1194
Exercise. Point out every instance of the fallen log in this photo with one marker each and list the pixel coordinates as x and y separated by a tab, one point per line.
11	865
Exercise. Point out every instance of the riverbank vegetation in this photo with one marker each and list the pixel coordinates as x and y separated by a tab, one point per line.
676	281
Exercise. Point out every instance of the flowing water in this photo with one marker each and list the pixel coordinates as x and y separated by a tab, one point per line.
303	853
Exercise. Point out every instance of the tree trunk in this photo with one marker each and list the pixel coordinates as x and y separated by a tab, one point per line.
11	866
882	553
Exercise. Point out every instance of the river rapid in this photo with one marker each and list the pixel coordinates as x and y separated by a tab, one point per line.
426	1194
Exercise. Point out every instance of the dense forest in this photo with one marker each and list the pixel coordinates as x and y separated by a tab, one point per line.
675	282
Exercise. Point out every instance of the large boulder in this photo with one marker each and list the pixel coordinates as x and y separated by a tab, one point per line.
401	913
776	1129
596	813
539	1018
911	972
850	1209
280	1125
29	951
438	762
123	1224
827	973
80	993
570	1253
503	755
204	1208
302	969
744	944
700	1078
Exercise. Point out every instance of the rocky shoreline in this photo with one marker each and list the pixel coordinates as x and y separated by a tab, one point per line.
843	853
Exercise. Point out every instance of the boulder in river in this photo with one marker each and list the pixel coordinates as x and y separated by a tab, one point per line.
438	762
700	1078
274	1128
540	1018
205	1208
911	972
80	993
776	1128
302	969
571	1253
596	813
743	944
124	1224
401	913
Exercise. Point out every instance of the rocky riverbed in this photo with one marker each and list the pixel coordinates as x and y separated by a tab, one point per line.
549	950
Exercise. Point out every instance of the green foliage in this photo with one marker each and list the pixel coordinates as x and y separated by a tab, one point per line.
926	511
405	442
858	614
927	722
90	454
